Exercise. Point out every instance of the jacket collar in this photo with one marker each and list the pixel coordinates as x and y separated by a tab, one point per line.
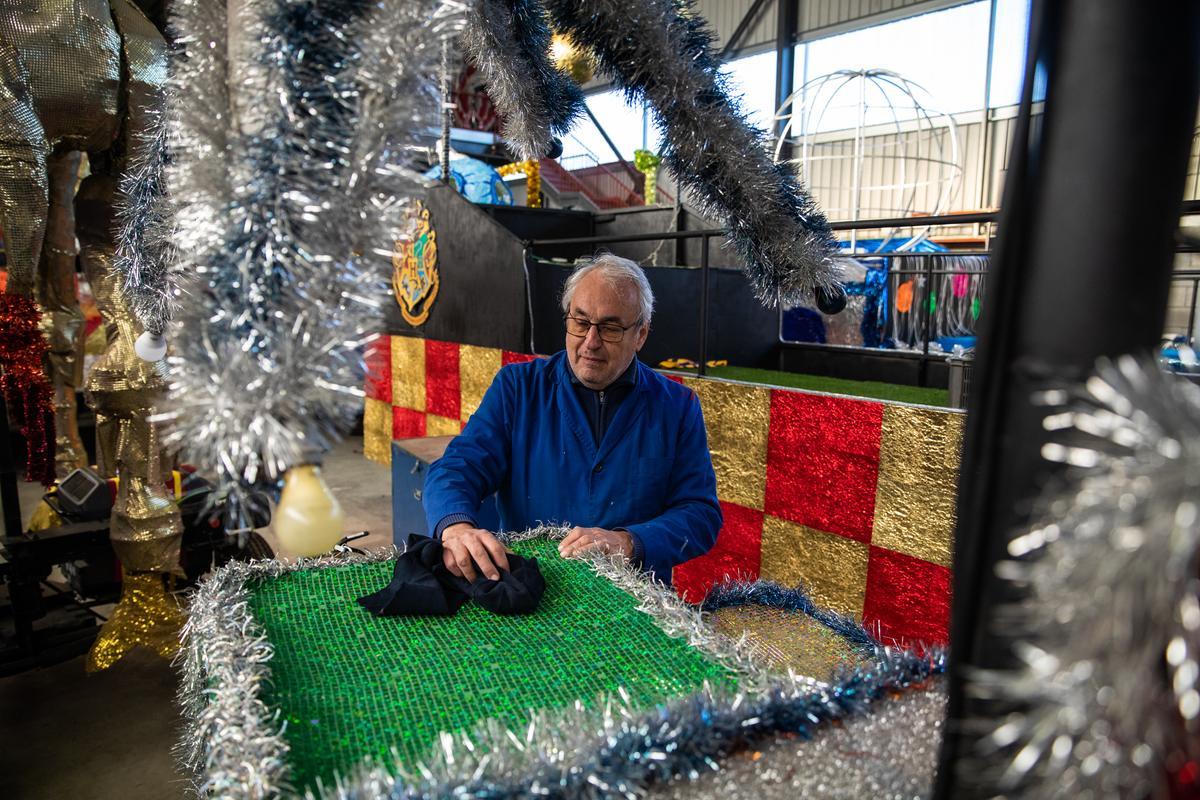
627	378
630	410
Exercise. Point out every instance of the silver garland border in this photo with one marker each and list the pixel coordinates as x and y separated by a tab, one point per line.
234	744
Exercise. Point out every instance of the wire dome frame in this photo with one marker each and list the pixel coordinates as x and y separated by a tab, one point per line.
868	148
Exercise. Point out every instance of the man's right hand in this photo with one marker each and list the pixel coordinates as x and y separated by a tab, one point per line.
464	548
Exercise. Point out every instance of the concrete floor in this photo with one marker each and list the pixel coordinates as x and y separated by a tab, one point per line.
109	736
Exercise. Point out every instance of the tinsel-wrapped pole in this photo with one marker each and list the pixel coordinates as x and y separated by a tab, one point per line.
447	110
1071	228
1103	699
286	187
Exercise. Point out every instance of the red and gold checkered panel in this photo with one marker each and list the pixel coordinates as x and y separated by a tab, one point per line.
852	499
422	387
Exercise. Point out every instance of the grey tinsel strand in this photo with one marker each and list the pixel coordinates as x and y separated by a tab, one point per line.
661	50
145	242
1106	629
508	41
288	196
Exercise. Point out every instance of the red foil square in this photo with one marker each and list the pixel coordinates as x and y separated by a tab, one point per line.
442	392
908	600
509	357
378	358
736	555
823	462
406	423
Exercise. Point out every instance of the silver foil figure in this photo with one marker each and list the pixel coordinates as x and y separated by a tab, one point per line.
86	76
1106	699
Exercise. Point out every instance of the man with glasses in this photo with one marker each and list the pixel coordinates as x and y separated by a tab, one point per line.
590	438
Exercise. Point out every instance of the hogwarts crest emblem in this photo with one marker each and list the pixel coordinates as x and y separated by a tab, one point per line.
414	268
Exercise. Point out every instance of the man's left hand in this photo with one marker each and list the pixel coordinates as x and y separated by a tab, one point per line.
580	541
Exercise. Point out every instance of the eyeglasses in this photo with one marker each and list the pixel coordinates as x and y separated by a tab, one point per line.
609	332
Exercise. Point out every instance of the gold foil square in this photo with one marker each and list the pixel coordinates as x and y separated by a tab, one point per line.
408	372
377	431
441	426
919	457
788	639
477	368
737	418
831	568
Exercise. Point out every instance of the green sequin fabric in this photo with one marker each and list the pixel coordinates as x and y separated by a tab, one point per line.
351	685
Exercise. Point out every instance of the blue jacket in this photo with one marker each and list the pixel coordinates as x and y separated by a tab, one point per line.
531	444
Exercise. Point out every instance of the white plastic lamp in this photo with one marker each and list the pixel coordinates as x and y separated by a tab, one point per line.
309	519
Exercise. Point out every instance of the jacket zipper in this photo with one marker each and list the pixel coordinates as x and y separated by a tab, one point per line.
603	413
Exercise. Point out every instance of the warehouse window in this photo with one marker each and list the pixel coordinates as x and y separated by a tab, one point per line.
944	52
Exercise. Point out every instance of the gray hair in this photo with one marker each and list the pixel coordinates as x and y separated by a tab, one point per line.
616	271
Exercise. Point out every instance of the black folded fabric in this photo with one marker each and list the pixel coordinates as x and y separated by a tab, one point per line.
518	591
422	586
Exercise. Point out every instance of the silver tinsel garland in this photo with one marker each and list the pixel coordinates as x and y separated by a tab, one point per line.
1106	700
145	238
661	50
287	185
509	41
234	742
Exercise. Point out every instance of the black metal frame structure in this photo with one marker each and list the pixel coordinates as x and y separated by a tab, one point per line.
706	235
1092	200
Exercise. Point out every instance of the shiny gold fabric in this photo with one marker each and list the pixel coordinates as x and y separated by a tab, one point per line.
377	431
60	73
832	568
738	418
408	372
119	369
788	639
441	426
919	458
146	528
477	368
62	319
146	616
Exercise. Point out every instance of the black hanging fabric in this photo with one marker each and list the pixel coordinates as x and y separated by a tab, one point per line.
422	586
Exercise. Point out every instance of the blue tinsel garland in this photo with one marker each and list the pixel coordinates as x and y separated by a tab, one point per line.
768	593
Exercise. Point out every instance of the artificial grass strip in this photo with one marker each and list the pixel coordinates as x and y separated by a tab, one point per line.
875	390
351	685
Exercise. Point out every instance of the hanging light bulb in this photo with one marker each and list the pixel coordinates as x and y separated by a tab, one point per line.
309	519
576	61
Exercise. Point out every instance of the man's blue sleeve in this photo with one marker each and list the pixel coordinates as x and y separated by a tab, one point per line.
474	464
689	526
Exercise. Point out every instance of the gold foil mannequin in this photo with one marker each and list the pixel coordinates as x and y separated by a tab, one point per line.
62	320
123	390
83	75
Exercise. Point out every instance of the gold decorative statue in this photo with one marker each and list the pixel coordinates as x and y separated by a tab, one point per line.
85	76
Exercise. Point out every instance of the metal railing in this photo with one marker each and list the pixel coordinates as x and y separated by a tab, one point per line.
926	271
706	235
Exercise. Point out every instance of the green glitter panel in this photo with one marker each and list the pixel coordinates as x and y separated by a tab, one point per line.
351	685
